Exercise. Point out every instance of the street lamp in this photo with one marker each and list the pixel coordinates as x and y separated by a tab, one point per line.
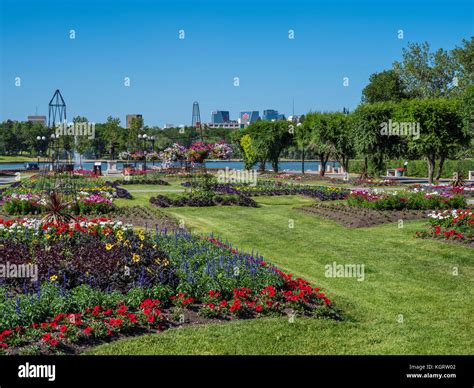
40	138
144	138
53	139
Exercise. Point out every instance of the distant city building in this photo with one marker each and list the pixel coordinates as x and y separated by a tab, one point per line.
37	119
248	117
272	115
230	125
294	118
130	117
167	125
220	117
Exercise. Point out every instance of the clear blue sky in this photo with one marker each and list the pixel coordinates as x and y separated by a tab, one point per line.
223	39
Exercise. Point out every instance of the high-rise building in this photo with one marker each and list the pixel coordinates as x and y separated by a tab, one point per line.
272	115
220	117
37	119
248	117
130	117
196	120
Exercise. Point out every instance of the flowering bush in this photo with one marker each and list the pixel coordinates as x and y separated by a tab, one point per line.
221	150
138	155
172	154
272	188
124	155
398	200
199	151
454	224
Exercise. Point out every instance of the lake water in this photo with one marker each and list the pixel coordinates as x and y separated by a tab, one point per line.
218	164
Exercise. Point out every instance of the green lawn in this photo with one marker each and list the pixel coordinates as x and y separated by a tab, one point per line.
404	276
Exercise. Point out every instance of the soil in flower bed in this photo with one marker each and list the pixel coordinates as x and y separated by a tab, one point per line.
145	217
187	317
469	244
355	217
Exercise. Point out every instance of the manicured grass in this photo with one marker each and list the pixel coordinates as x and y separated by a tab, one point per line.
404	277
18	158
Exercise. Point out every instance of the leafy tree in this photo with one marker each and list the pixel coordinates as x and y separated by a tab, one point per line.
426	74
442	133
113	134
342	139
464	57
369	140
384	86
302	139
266	140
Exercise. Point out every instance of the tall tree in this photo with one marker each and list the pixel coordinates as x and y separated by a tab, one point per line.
370	142
464	57
384	86
442	133
426	74
319	123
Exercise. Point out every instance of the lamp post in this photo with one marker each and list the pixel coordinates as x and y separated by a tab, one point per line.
40	138
152	140
54	138
144	138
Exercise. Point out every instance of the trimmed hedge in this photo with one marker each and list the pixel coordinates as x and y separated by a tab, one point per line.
419	168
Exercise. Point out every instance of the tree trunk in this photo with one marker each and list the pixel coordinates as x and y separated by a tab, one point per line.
261	167
431	168
324	160
302	161
440	167
275	166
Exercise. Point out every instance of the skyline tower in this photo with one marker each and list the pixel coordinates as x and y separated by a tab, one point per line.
196	120
57	109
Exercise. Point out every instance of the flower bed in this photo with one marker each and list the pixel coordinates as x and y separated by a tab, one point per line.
203	200
271	188
93	197
398	200
453	224
100	278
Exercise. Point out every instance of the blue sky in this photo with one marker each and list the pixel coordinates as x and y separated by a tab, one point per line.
223	39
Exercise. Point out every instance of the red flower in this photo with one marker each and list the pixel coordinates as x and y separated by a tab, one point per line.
46	337
62	328
147	311
87	330
53	342
212	306
258	308
122	309
151	318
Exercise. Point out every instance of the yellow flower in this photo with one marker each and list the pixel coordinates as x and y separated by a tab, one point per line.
53	278
136	258
165	262
126	243
141	246
141	236
108	246
48	236
157	260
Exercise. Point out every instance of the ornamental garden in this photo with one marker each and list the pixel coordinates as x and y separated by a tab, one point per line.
164	253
